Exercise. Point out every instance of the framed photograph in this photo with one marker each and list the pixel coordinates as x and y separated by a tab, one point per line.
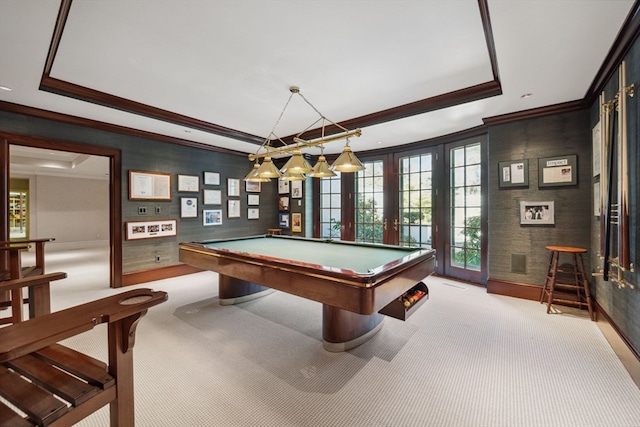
536	213
253	199
212	217
558	171
233	187
233	208
211	178
188	207
296	222
296	189
252	187
149	185
596	198
283	220
211	197
513	173
253	213
190	183
283	203
283	186
150	229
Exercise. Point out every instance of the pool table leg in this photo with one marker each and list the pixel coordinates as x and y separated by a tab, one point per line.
343	330
235	291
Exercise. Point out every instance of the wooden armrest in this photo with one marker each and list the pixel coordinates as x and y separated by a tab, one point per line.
40	279
13	247
22	338
19	242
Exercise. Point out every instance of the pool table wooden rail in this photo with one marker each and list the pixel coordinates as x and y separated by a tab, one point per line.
362	294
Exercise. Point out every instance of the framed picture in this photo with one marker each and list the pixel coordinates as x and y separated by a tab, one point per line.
513	173
296	222
252	187
253	213
283	220
233	187
211	178
150	229
211	197
283	203
188	207
212	217
536	213
296	189
558	171
189	183
233	208
253	199
149	185
283	186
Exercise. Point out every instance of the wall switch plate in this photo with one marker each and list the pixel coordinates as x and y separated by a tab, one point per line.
158	209
142	210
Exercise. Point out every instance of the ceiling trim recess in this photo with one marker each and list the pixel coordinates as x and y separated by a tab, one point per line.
457	97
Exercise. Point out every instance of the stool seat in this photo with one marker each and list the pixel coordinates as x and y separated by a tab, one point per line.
562	281
273	231
568	249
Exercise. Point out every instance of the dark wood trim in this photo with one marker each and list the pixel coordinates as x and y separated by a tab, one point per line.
107	127
603	313
621	46
144	276
511	289
565	107
4	203
488	35
115	188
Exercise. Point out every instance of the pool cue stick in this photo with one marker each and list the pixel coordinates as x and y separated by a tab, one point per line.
611	161
623	175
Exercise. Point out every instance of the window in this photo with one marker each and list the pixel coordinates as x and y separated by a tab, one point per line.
330	211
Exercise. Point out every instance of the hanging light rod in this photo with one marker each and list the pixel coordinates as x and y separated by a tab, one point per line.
303	143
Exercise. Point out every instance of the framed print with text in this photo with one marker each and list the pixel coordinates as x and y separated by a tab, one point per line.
253	213
283	220
233	187
188	207
211	178
149	185
253	199
211	197
190	183
233	208
283	186
558	171
513	173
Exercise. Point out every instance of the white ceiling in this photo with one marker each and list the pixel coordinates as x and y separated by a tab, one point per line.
231	63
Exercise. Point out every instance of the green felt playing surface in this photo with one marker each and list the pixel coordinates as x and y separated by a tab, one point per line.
360	259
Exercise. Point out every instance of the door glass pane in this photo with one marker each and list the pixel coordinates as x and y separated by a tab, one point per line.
466	200
415	201
18	213
330	208
369	203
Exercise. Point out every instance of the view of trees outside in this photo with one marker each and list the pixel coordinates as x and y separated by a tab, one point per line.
415	201
466	199
369	208
330	209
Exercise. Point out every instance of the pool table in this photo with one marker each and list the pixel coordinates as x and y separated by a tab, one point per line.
353	281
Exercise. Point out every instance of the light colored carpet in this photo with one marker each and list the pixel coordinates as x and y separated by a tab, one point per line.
465	358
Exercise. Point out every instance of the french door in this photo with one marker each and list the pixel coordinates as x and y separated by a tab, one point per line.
432	197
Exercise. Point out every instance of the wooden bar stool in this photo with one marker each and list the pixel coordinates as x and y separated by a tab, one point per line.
561	282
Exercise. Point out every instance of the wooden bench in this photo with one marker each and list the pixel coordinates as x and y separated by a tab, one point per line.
38	298
46	384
